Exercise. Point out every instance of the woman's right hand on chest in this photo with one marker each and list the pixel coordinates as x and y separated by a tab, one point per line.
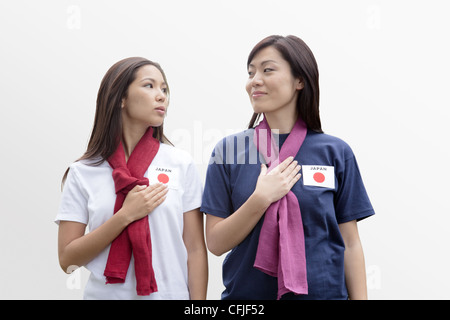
141	200
278	182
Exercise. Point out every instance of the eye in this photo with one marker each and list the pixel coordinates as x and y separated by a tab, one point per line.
268	69
164	90
148	85
250	74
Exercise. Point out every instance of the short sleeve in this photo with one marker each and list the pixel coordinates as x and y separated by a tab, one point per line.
192	195
73	206
217	194
352	201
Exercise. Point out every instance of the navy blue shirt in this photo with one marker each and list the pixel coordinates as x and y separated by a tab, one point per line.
231	179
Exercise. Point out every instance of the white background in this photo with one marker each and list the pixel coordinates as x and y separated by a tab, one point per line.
384	76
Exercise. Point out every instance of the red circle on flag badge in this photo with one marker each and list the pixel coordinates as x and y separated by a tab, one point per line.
319	177
163	178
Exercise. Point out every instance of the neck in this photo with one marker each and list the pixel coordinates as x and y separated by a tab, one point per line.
283	120
130	138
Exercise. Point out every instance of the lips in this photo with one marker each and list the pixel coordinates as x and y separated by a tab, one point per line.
161	109
257	94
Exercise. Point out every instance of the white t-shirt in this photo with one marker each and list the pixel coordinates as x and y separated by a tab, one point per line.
88	197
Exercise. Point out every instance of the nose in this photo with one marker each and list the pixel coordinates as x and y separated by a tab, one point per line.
161	96
256	80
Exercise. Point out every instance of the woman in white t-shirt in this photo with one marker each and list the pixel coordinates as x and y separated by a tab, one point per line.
133	99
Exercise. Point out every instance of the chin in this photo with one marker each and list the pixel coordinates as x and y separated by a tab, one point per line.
156	125
156	122
260	109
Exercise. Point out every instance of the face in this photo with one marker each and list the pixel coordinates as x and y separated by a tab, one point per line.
146	101
271	86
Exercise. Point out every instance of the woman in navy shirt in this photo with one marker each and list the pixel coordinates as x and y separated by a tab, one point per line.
323	175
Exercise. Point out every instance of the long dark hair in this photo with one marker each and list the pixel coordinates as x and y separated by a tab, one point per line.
304	66
107	128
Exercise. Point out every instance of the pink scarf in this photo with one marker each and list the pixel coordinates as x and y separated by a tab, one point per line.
281	247
136	237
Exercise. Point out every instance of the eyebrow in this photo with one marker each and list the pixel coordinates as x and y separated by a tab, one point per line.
263	63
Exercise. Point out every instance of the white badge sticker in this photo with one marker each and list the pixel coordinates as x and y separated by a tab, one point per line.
168	176
319	176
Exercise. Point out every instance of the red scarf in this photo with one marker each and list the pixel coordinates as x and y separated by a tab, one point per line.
136	237
281	246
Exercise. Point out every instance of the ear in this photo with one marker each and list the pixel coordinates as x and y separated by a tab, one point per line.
123	103
299	84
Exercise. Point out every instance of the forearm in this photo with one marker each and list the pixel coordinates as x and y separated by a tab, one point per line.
78	250
229	232
355	272
198	274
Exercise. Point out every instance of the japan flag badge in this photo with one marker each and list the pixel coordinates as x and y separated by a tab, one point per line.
167	176
319	176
